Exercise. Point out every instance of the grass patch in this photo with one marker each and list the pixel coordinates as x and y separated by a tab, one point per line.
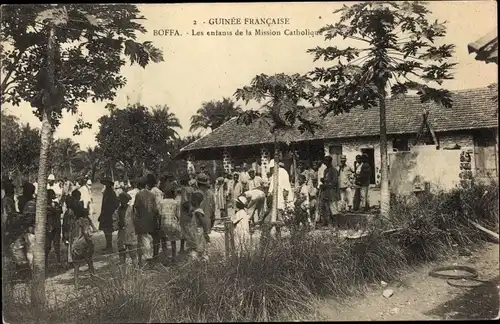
283	279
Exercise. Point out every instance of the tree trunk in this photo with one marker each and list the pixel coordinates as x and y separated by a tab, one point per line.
295	171
384	163
112	174
274	211
92	173
38	285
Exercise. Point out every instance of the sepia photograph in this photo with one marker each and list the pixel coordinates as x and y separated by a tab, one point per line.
249	162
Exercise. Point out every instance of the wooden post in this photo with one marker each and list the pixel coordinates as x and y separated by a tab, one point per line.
229	237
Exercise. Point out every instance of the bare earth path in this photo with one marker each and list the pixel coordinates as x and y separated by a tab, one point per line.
420	297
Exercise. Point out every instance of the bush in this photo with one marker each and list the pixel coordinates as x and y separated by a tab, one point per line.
283	279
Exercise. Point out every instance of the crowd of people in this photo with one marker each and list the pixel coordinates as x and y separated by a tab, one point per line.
148	214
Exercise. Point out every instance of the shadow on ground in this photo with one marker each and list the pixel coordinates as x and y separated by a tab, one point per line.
481	302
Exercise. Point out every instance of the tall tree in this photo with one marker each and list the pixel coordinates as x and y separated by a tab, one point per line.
137	136
396	50
213	114
64	154
91	159
10	133
280	112
57	56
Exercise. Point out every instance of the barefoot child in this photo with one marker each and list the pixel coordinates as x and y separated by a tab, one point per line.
169	221
197	229
241	221
127	238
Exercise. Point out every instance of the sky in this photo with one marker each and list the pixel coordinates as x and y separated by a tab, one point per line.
198	69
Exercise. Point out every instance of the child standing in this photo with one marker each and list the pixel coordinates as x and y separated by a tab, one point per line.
197	229
241	221
220	196
169	221
302	202
127	238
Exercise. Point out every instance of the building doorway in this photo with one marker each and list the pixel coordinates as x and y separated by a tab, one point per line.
370	152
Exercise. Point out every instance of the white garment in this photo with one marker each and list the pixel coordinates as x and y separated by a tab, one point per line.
283	184
255	194
244	177
132	194
242	230
321	173
35	184
57	190
85	197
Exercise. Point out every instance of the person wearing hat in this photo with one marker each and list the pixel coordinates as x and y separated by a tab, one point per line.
241	221
124	223
345	184
51	184
208	203
108	207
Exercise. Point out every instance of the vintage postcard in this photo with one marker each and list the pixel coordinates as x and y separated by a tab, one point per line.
222	162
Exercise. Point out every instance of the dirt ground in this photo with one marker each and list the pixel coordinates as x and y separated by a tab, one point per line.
421	297
416	297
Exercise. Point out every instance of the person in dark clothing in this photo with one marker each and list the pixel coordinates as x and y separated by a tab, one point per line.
186	192
9	214
330	191
109	205
208	203
146	221
362	182
27	207
53	227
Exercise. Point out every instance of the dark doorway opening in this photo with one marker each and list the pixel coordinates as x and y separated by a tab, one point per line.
371	161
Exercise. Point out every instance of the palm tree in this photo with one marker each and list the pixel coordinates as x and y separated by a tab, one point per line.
65	152
213	114
91	159
166	125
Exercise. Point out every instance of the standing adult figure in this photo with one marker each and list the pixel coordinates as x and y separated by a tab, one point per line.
363	174
345	183
51	184
208	202
109	205
86	199
330	190
284	191
146	221
151	184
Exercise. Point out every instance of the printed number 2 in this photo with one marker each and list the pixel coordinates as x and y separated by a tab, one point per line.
194	22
